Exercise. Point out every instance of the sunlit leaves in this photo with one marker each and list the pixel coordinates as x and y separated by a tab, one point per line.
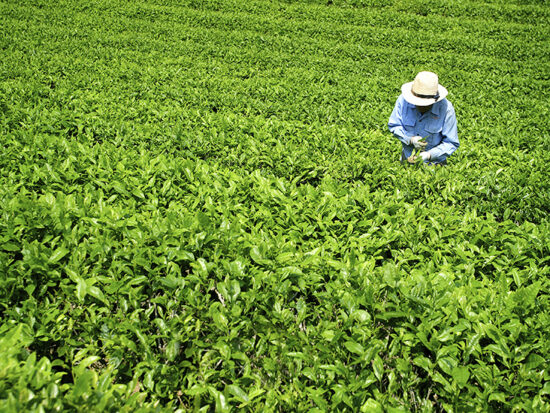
201	209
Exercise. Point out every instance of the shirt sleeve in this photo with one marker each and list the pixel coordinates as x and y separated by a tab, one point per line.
449	143
395	123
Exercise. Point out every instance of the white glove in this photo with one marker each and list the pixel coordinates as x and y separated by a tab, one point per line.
425	156
415	140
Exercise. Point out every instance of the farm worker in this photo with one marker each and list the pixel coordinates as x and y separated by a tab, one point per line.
423	119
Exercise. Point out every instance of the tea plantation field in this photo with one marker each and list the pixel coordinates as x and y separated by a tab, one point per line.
202	208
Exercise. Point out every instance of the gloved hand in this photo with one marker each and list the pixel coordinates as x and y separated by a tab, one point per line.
424	156
416	141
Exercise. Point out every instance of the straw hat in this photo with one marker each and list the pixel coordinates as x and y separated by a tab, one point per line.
425	90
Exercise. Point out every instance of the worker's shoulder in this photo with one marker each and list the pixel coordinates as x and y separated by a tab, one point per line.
449	103
401	101
445	106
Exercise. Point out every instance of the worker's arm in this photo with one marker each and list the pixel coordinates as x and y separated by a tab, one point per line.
449	142
396	122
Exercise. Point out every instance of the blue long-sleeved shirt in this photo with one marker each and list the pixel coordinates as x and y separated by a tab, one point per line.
437	125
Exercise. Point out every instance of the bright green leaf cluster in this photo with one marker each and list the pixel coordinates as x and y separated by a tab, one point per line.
201	208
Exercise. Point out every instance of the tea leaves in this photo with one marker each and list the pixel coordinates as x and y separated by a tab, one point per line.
201	208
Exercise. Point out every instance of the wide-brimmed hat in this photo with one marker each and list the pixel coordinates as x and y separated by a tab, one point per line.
424	90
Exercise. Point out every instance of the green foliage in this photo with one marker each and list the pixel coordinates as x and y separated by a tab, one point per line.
202	209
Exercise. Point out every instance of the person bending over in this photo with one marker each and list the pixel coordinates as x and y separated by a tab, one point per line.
423	119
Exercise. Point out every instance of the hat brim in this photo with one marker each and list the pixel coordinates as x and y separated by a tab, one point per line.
406	90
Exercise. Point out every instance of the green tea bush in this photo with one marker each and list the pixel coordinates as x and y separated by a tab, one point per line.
202	209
